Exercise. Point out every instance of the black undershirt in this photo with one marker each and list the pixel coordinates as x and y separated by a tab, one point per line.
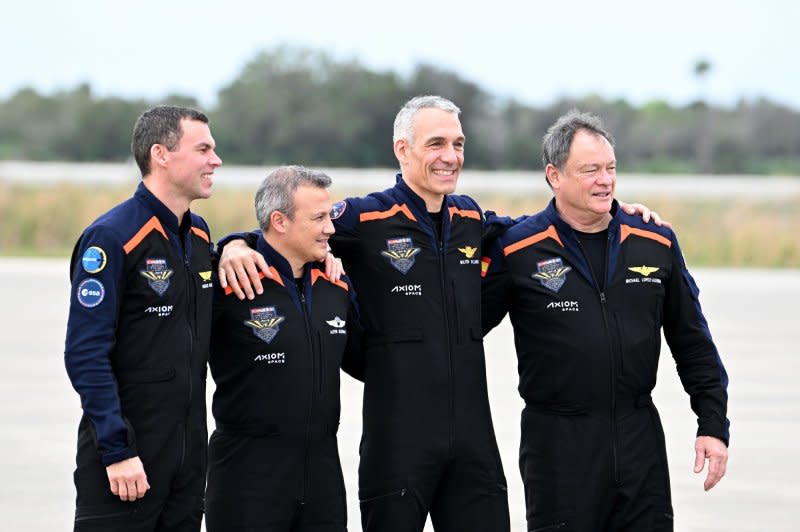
436	218
594	248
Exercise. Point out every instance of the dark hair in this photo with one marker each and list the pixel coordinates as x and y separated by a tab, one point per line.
160	125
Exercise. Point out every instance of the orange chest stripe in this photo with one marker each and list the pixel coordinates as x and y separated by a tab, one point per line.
550	232
381	215
316	274
202	234
464	213
627	230
152	225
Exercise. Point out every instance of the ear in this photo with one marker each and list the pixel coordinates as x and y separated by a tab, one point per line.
401	148
553	176
278	221
158	155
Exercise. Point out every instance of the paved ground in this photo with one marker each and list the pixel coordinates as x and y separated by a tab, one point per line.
753	316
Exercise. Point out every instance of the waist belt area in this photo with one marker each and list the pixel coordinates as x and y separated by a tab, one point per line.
263	430
623	404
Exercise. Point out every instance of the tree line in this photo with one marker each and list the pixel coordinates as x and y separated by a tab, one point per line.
291	105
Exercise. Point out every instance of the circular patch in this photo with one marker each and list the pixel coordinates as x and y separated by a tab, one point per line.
90	293
337	209
93	260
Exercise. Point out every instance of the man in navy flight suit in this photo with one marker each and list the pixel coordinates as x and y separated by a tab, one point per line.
589	289
138	337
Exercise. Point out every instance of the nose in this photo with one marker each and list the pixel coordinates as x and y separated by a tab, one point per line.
449	154
215	159
328	228
605	177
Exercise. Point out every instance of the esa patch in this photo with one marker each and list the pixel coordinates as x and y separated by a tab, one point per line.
337	209
94	259
401	253
90	293
552	273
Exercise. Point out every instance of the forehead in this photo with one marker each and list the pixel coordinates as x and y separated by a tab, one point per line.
312	198
589	147
195	132
431	122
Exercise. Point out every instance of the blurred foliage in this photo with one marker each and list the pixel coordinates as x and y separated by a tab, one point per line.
740	232
302	106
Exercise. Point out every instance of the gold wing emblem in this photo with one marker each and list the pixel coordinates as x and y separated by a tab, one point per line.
264	324
468	251
401	255
644	270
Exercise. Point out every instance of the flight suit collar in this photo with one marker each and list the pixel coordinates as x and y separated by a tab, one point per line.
167	218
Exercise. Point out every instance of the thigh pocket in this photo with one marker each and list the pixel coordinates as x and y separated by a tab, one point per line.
111	516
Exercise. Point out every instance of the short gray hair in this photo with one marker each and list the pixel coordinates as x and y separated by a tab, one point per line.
558	139
277	190
404	121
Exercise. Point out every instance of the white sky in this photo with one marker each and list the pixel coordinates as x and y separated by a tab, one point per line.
531	50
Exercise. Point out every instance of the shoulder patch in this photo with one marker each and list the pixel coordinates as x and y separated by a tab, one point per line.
90	293
337	209
94	259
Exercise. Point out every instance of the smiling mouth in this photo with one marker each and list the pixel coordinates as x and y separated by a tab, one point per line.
444	173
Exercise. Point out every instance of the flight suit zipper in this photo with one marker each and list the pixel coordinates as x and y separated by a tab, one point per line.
312	359
612	359
440	253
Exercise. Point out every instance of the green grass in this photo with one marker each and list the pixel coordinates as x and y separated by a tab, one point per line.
46	221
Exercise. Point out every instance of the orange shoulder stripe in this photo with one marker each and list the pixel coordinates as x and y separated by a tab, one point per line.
627	230
316	274
464	213
380	215
550	232
202	234
152	225
275	277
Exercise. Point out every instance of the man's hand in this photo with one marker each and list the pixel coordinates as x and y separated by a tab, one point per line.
334	268
713	449
239	266
127	479
638	208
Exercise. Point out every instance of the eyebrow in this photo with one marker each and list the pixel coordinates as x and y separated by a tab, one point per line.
440	139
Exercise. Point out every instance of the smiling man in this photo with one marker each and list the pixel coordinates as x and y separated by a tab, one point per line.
273	458
428	446
589	290
137	337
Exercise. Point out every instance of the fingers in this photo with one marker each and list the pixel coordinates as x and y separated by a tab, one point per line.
713	449
223	277
717	465
334	269
699	459
127	479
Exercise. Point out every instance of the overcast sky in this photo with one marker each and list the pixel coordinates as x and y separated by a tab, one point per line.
530	50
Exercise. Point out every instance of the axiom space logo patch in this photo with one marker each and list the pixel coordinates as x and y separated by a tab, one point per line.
401	253
551	273
264	322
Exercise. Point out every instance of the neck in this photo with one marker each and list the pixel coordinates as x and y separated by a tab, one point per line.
297	264
433	202
586	223
178	206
